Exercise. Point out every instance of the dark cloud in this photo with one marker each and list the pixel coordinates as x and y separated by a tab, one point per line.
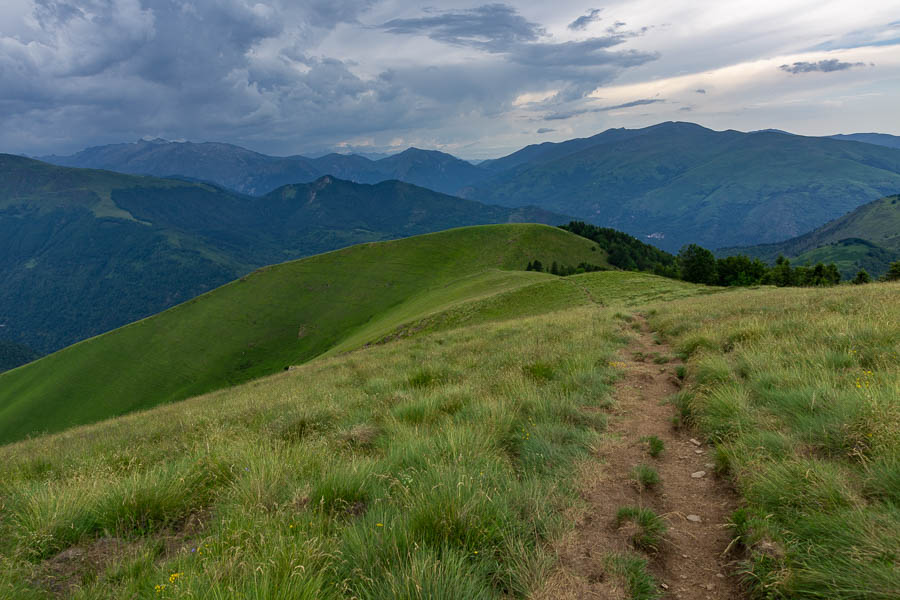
824	66
576	67
583	21
543	130
561	116
492	27
700	91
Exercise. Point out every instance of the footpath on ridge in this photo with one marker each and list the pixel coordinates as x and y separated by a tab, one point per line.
692	560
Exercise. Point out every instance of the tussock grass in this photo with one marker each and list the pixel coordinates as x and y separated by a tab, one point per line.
641	585
435	467
650	527
645	476
800	390
655	446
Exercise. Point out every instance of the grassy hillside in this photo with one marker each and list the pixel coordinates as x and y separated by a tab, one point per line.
85	251
800	390
437	467
682	183
868	237
275	317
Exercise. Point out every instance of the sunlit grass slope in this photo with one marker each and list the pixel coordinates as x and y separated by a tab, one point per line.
277	316
605	288
800	389
436	467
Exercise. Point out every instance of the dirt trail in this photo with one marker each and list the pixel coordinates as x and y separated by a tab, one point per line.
690	563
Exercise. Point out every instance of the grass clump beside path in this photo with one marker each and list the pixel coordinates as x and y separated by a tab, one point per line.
435	467
800	391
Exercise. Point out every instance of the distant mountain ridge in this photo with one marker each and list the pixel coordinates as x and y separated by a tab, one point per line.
878	139
83	251
678	183
866	238
257	174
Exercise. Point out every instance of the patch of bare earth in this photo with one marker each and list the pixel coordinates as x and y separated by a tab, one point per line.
692	562
64	573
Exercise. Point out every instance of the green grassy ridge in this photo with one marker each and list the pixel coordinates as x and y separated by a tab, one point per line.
605	288
800	392
435	467
275	317
867	237
850	256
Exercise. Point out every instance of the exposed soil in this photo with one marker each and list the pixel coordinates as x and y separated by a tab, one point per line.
62	574
65	572
692	561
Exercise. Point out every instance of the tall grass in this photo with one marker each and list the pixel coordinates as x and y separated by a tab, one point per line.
436	467
800	390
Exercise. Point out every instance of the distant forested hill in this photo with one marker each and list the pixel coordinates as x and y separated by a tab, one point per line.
12	355
866	238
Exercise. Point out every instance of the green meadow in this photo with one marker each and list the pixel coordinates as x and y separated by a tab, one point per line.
433	467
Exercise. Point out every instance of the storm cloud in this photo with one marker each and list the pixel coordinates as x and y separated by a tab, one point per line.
286	77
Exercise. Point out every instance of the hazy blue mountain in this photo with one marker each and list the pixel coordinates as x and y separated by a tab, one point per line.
83	251
879	139
257	174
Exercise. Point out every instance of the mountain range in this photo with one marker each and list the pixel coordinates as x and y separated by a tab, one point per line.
678	183
83	251
672	183
249	172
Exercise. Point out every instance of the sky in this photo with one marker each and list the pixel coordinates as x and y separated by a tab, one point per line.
475	79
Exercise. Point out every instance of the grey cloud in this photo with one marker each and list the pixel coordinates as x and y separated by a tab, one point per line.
561	116
824	66
576	68
545	130
499	29
52	12
590	52
583	21
686	108
700	91
250	71
492	27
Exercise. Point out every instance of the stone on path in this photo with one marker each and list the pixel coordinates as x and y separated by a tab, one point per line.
698	474
694	518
